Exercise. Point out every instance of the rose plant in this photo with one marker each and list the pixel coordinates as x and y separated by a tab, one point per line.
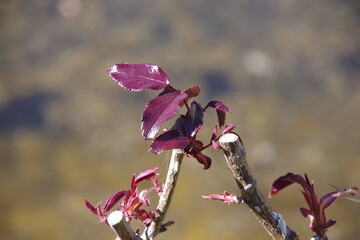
182	139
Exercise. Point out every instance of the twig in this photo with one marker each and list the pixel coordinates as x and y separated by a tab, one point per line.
121	227
235	155
165	198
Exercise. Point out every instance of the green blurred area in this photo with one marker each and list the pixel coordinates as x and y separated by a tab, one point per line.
289	71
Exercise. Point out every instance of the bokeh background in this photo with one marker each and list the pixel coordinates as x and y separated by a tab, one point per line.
289	70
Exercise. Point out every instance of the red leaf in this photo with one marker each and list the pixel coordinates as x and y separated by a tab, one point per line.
159	110
100	213
280	183
113	199
218	106
137	77
328	199
91	207
205	160
220	110
191	92
228	128
309	200
146	175
329	224
221	117
305	212
193	119
172	139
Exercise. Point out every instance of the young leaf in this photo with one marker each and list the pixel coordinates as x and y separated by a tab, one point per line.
215	145
280	183
100	213
191	92
205	160
220	110
218	106
113	199
172	139
90	207
224	197
329	198
146	175
137	77
193	119
228	128
159	110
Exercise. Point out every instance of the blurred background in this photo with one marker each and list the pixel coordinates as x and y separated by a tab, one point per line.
289	71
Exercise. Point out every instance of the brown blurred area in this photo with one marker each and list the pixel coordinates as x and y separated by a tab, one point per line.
289	71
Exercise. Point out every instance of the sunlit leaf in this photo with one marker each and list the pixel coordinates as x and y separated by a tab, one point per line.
136	77
113	199
91	207
159	110
146	175
229	128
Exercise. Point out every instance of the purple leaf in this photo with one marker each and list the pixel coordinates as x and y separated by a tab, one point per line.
205	160
221	117
179	124
146	175
280	183
220	110
137	77
159	110
329	198
113	199
193	119
329	224
305	212
191	92
308	198
91	207
218	106
172	139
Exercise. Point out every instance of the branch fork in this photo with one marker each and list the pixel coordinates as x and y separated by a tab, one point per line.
251	195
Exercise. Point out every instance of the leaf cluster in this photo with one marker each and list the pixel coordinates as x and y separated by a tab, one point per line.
316	211
182	135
